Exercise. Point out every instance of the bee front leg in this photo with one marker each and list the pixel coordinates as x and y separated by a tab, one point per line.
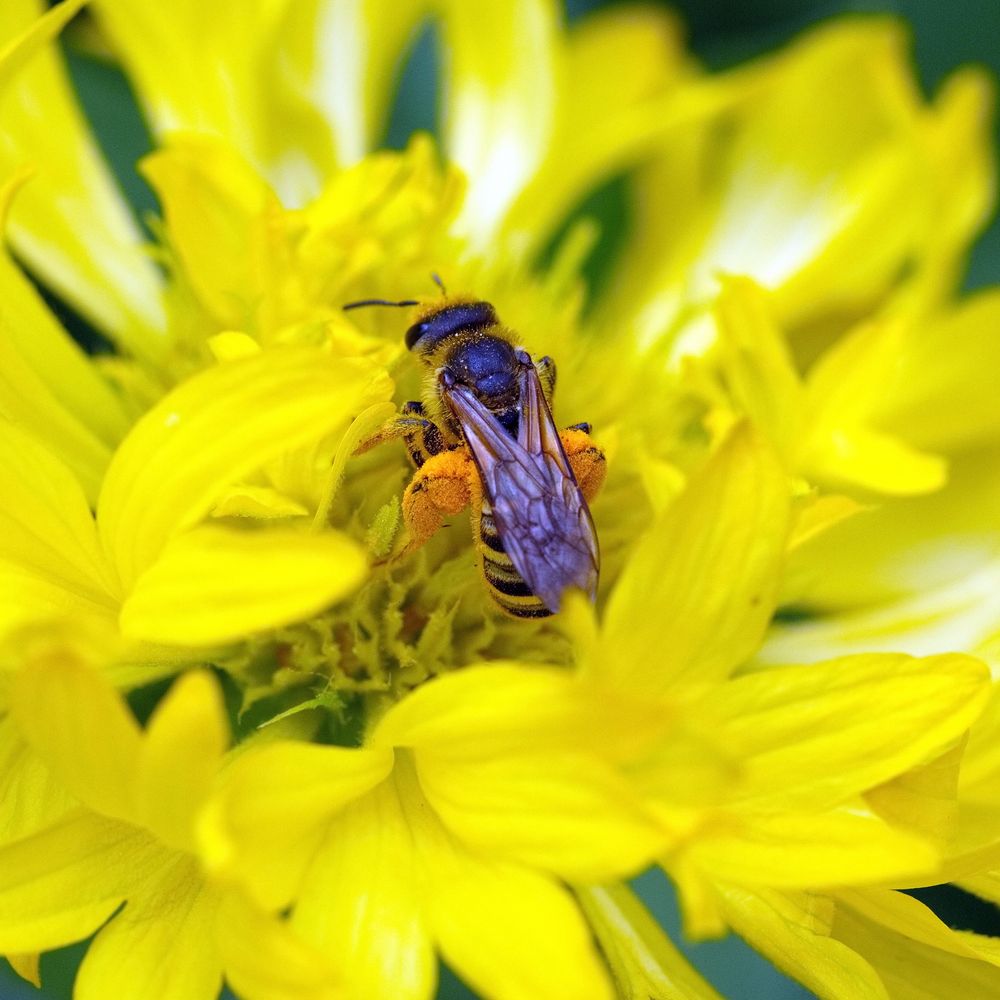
585	459
420	435
442	487
546	369
424	440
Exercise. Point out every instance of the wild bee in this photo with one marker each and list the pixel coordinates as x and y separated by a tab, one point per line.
484	437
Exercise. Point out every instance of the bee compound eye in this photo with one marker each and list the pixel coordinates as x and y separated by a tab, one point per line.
414	334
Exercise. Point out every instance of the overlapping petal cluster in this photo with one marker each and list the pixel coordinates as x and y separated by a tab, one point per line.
239	745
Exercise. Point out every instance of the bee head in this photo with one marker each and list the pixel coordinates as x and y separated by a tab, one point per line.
441	321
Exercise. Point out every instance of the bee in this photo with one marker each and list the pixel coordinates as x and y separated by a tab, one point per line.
484	437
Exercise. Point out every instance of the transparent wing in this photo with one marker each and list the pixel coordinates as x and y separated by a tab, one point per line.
540	513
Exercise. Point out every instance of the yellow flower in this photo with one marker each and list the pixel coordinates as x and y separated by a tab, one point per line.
141	564
191	500
825	424
743	787
486	789
124	833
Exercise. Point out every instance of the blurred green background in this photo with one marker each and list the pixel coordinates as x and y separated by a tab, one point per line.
946	33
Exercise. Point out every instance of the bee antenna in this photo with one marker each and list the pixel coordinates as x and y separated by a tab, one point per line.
436	278
379	302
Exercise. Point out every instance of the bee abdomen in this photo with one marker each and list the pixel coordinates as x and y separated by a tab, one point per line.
507	587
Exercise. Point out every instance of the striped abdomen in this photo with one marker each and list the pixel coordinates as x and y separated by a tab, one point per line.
505	584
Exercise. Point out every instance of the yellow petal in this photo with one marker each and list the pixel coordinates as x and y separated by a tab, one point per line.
211	77
506	756
964	157
701	914
213	585
20	50
49	387
816	188
759	370
265	960
362	904
792	929
27	967
180	757
499	108
482	914
46	528
915	954
292	87
642	958
923	799
847	846
28	595
258	502
273	806
31	797
161	945
982	766
80	728
811	736
942	397
619	68
362	426
827	170
818	513
346	56
962	615
69	223
481	911
845	387
214	206
564	812
695	598
212	431
232	344
486	711
910	918
61	884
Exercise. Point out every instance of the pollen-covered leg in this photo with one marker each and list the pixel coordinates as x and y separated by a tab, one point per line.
442	487
585	459
420	435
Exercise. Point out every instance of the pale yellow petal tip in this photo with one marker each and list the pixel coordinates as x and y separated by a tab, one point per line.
195	693
38	34
232	344
10	189
257	502
578	621
816	514
27	967
48	643
701	912
740	286
216	850
962	668
971	90
879	35
215	585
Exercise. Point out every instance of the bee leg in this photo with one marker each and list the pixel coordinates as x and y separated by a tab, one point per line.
420	435
424	440
442	487
585	459
546	369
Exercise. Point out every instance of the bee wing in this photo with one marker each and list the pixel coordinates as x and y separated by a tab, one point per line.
540	513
